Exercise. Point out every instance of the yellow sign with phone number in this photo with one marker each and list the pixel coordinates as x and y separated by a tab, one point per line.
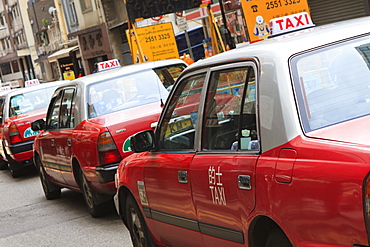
157	42
258	14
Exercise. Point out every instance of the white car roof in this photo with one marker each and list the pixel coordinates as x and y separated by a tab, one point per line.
128	69
33	88
285	46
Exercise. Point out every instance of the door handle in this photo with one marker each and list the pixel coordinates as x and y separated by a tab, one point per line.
244	182
183	177
52	142
69	142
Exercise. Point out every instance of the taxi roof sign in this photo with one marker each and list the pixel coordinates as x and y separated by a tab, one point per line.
30	83
109	64
290	23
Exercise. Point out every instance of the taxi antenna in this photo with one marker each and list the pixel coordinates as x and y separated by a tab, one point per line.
159	82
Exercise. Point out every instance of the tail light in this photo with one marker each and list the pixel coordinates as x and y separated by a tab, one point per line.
14	134
367	204
108	152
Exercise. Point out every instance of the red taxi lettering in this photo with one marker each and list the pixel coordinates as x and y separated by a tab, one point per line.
295	21
114	63
290	23
31	83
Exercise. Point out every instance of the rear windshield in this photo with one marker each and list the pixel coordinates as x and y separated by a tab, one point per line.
125	92
169	74
30	101
333	84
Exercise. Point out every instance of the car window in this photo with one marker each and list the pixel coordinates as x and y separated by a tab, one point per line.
177	130
66	117
30	101
333	83
2	102
169	74
125	92
52	120
230	114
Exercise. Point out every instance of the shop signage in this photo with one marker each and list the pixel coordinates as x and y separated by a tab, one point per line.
258	13
157	42
30	83
182	23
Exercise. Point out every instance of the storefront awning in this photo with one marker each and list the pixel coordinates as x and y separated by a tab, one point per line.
61	53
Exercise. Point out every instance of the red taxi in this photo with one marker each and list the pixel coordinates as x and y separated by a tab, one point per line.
285	162
88	124
18	108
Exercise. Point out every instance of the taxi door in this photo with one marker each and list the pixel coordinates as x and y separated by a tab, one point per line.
223	171
166	172
65	136
47	140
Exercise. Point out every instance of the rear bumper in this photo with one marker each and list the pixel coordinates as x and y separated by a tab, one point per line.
21	151
106	173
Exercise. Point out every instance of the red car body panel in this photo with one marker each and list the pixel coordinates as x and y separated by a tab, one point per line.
302	179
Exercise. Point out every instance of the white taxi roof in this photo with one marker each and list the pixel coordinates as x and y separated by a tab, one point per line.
282	47
33	88
277	106
128	69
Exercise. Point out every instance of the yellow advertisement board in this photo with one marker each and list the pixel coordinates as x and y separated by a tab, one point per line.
157	42
258	14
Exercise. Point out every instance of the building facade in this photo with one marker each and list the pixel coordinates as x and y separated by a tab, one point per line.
17	47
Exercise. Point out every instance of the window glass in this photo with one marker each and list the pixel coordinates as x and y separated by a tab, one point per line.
2	102
125	92
6	69
230	124
15	66
177	131
333	84
72	12
66	118
30	101
169	74
52	121
86	5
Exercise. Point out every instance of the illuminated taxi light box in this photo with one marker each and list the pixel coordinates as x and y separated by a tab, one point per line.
290	23
6	88
30	83
109	64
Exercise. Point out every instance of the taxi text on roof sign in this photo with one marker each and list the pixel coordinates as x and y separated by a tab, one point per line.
6	88
110	64
290	23
258	14
30	83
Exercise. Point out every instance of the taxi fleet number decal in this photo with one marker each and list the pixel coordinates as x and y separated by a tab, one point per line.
216	186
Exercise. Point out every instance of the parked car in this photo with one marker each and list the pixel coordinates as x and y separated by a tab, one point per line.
88	125
287	164
18	108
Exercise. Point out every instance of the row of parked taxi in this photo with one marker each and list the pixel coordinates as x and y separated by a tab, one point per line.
85	126
266	145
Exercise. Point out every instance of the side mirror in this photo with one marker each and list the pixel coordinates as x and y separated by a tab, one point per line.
142	141
38	125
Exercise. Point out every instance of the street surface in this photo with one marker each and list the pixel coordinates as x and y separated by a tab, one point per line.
28	219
